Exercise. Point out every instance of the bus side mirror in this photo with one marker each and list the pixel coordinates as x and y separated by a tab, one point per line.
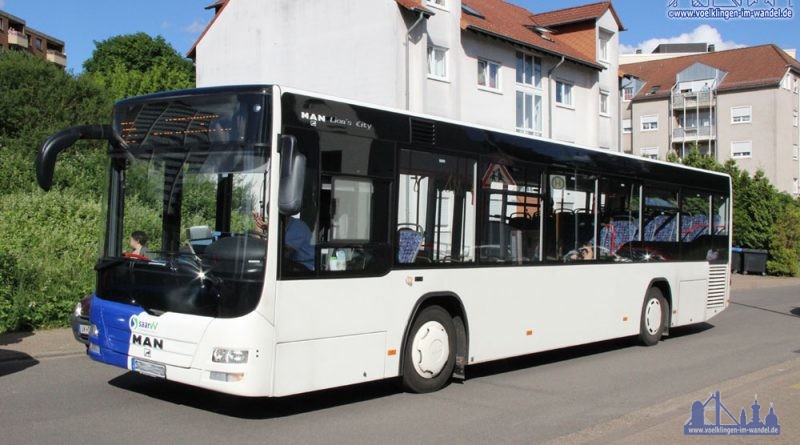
293	175
55	144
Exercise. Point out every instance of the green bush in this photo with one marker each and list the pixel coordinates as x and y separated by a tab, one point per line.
9	281
785	243
50	240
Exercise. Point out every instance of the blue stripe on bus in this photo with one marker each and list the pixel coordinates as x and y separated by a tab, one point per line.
114	332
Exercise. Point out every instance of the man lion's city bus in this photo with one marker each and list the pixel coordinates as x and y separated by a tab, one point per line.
299	242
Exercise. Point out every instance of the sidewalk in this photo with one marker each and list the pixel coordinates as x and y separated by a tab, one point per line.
663	423
60	342
39	345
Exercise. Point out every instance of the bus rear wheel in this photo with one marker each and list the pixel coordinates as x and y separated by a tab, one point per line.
655	314
429	355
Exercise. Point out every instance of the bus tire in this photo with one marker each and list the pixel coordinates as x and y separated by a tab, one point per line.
430	351
655	313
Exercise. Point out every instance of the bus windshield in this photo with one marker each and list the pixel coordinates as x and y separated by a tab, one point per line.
192	175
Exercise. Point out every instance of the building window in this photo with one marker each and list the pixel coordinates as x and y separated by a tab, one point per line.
604	106
742	149
649	123
627	93
796	187
437	62
1	24
440	3
529	70
795	119
627	126
529	113
741	115
795	152
38	43
563	93
489	74
605	38
650	152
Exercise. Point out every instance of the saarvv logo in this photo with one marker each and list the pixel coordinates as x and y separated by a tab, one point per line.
135	323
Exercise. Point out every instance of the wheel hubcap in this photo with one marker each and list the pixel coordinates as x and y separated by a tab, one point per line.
430	349
653	316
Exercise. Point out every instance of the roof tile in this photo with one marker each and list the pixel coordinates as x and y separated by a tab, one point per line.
576	14
512	22
752	67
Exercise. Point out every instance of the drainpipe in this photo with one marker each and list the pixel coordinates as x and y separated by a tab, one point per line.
408	58
550	102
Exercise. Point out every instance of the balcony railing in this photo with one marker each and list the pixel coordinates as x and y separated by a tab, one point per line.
17	38
693	99
56	57
692	133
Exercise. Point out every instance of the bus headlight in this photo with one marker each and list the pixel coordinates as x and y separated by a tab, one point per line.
222	355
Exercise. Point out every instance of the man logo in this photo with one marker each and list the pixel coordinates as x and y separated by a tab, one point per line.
149	342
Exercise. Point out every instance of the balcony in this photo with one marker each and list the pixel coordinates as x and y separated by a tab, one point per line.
56	57
693	99
17	38
691	134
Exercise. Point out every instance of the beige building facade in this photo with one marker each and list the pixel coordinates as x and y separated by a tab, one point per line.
727	109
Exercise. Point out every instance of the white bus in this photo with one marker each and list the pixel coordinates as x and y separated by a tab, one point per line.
299	242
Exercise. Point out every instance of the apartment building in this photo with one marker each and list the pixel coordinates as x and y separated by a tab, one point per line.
16	35
552	73
739	104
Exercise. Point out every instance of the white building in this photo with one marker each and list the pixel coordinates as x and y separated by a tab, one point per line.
553	74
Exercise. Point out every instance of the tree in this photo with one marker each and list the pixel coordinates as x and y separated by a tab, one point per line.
135	52
136	64
38	97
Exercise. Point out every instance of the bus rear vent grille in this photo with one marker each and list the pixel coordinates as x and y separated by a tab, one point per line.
423	132
717	280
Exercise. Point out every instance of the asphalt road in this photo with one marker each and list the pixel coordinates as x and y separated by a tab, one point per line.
523	400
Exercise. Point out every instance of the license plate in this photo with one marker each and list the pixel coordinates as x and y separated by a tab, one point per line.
84	329
149	368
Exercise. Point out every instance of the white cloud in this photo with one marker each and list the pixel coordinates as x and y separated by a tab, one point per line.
195	27
164	24
701	34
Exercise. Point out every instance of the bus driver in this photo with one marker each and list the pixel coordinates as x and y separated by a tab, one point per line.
297	239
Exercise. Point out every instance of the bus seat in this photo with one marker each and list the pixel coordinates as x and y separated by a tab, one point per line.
199	237
408	243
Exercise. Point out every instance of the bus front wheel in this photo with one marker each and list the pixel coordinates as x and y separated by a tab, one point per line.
655	314
429	355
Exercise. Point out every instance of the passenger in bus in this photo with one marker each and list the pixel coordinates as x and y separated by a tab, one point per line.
138	242
297	239
585	253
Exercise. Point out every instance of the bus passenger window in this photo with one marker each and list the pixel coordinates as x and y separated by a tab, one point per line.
659	225
619	219
436	209
510	212
695	225
720	224
570	222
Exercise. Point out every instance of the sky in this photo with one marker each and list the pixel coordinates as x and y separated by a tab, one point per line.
82	22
